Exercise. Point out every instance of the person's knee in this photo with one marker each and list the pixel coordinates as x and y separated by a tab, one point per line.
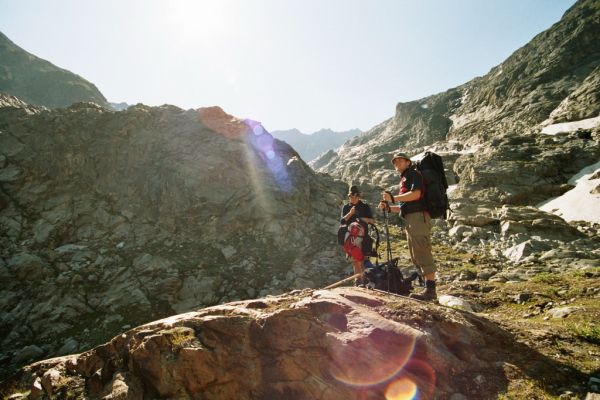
422	242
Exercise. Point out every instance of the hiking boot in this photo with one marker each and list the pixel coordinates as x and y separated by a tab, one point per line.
429	294
359	282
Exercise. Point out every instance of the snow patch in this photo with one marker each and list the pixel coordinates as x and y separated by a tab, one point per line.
485	113
578	204
588	123
444	151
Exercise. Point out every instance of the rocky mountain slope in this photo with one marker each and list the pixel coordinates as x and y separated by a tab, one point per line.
490	128
110	219
39	82
312	145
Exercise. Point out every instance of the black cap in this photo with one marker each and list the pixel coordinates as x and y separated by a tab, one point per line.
354	190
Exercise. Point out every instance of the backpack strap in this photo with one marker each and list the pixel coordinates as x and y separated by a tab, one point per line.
376	235
423	184
376	242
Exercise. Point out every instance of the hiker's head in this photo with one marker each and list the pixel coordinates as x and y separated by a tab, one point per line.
354	194
401	162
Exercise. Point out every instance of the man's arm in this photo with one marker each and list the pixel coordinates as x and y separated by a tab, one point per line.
408	196
347	215
413	195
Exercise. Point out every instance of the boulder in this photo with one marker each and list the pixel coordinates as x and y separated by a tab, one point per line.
324	344
70	346
26	266
562	312
28	353
519	252
458	231
455	302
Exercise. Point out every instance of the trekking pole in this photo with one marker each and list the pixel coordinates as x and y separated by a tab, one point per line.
387	236
387	230
389	247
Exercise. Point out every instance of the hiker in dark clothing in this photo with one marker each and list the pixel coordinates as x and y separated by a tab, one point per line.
357	211
417	221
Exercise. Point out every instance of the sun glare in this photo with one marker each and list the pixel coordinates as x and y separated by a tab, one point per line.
200	21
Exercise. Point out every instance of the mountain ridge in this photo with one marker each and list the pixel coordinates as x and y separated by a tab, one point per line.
39	82
311	145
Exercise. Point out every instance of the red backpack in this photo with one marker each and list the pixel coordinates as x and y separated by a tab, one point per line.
353	241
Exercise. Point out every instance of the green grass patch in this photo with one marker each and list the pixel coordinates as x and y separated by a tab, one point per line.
547	278
589	333
525	389
469	269
552	292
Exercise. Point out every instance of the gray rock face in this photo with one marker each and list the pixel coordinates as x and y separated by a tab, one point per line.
115	218
582	103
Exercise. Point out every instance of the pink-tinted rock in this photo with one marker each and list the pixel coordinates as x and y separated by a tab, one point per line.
345	343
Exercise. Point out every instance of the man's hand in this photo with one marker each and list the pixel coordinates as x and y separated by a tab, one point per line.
387	197
383	205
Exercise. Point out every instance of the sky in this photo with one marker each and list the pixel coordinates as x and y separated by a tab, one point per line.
304	64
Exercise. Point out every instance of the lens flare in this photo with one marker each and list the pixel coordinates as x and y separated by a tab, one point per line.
258	130
262	152
424	375
371	360
264	144
401	389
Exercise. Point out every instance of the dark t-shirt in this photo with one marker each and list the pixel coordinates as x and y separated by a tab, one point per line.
362	211
411	180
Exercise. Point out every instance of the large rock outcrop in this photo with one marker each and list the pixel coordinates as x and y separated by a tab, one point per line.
111	219
339	344
40	82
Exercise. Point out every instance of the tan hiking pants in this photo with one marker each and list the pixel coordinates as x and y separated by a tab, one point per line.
418	234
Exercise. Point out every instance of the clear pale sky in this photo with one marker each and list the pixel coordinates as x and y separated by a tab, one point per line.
305	64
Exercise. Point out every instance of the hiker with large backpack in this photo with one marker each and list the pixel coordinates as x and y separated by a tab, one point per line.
412	206
356	217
